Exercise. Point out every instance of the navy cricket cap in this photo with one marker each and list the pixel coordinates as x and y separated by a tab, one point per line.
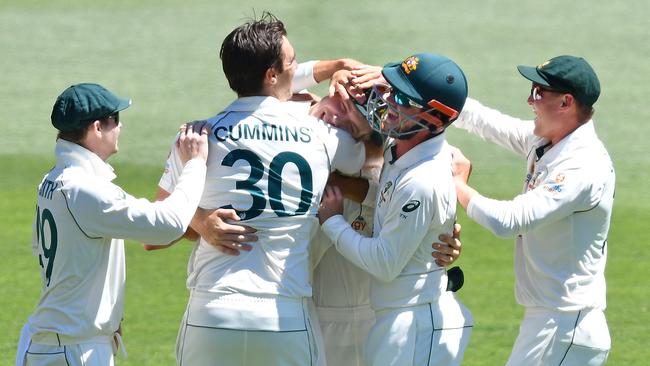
568	74
81	104
430	80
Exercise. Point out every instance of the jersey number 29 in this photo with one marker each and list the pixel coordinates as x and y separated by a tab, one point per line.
49	248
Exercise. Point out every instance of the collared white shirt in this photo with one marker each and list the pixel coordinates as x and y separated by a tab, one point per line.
81	219
337	282
562	218
270	161
416	202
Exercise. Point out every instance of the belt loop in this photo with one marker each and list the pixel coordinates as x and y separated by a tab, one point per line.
119	345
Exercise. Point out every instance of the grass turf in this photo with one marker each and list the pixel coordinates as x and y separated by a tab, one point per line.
164	54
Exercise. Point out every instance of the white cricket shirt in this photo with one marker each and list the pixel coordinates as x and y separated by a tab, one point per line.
81	221
269	161
416	202
562	218
337	282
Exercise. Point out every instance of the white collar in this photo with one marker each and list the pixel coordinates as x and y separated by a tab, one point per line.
70	154
421	151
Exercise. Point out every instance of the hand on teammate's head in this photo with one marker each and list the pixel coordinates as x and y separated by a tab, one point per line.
363	78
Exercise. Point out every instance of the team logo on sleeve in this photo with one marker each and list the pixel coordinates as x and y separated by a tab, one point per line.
411	206
384	192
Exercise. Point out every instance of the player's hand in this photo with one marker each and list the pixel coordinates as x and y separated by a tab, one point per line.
192	141
447	252
461	167
363	78
339	83
331	204
216	229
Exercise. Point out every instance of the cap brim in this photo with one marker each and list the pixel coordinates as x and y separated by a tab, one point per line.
395	76
124	104
532	74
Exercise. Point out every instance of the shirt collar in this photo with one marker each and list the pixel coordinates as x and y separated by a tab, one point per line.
70	154
424	149
250	104
576	139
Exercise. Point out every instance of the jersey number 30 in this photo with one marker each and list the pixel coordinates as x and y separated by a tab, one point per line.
274	183
49	249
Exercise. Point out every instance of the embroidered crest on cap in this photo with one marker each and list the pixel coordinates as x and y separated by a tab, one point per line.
410	64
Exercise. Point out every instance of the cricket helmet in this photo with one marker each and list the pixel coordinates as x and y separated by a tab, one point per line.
432	83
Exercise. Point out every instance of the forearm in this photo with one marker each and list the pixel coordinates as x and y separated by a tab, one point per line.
380	259
464	193
353	188
323	70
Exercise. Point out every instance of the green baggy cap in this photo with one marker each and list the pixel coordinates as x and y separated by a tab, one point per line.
566	73
81	104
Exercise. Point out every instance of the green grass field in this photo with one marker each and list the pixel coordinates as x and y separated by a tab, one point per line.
164	55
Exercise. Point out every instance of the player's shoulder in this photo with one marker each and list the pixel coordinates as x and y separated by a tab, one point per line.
79	187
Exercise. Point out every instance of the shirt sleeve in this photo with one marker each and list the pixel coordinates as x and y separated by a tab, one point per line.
345	153
385	255
173	169
304	77
102	209
349	155
511	133
552	200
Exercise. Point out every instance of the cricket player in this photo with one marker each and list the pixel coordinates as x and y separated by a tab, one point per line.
561	220
81	222
341	290
417	321
269	162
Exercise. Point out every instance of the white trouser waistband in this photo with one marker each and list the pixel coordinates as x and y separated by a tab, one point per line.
347	314
56	339
239	311
408	290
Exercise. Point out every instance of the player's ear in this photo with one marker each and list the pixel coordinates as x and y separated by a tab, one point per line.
95	126
567	100
271	76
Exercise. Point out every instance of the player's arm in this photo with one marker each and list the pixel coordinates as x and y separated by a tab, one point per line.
108	211
310	73
324	69
383	256
190	234
219	228
353	188
563	192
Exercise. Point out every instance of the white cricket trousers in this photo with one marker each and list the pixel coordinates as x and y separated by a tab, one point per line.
240	330
431	334
345	331
52	349
554	338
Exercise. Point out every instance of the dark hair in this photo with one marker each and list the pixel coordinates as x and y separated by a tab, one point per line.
251	49
585	112
77	136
